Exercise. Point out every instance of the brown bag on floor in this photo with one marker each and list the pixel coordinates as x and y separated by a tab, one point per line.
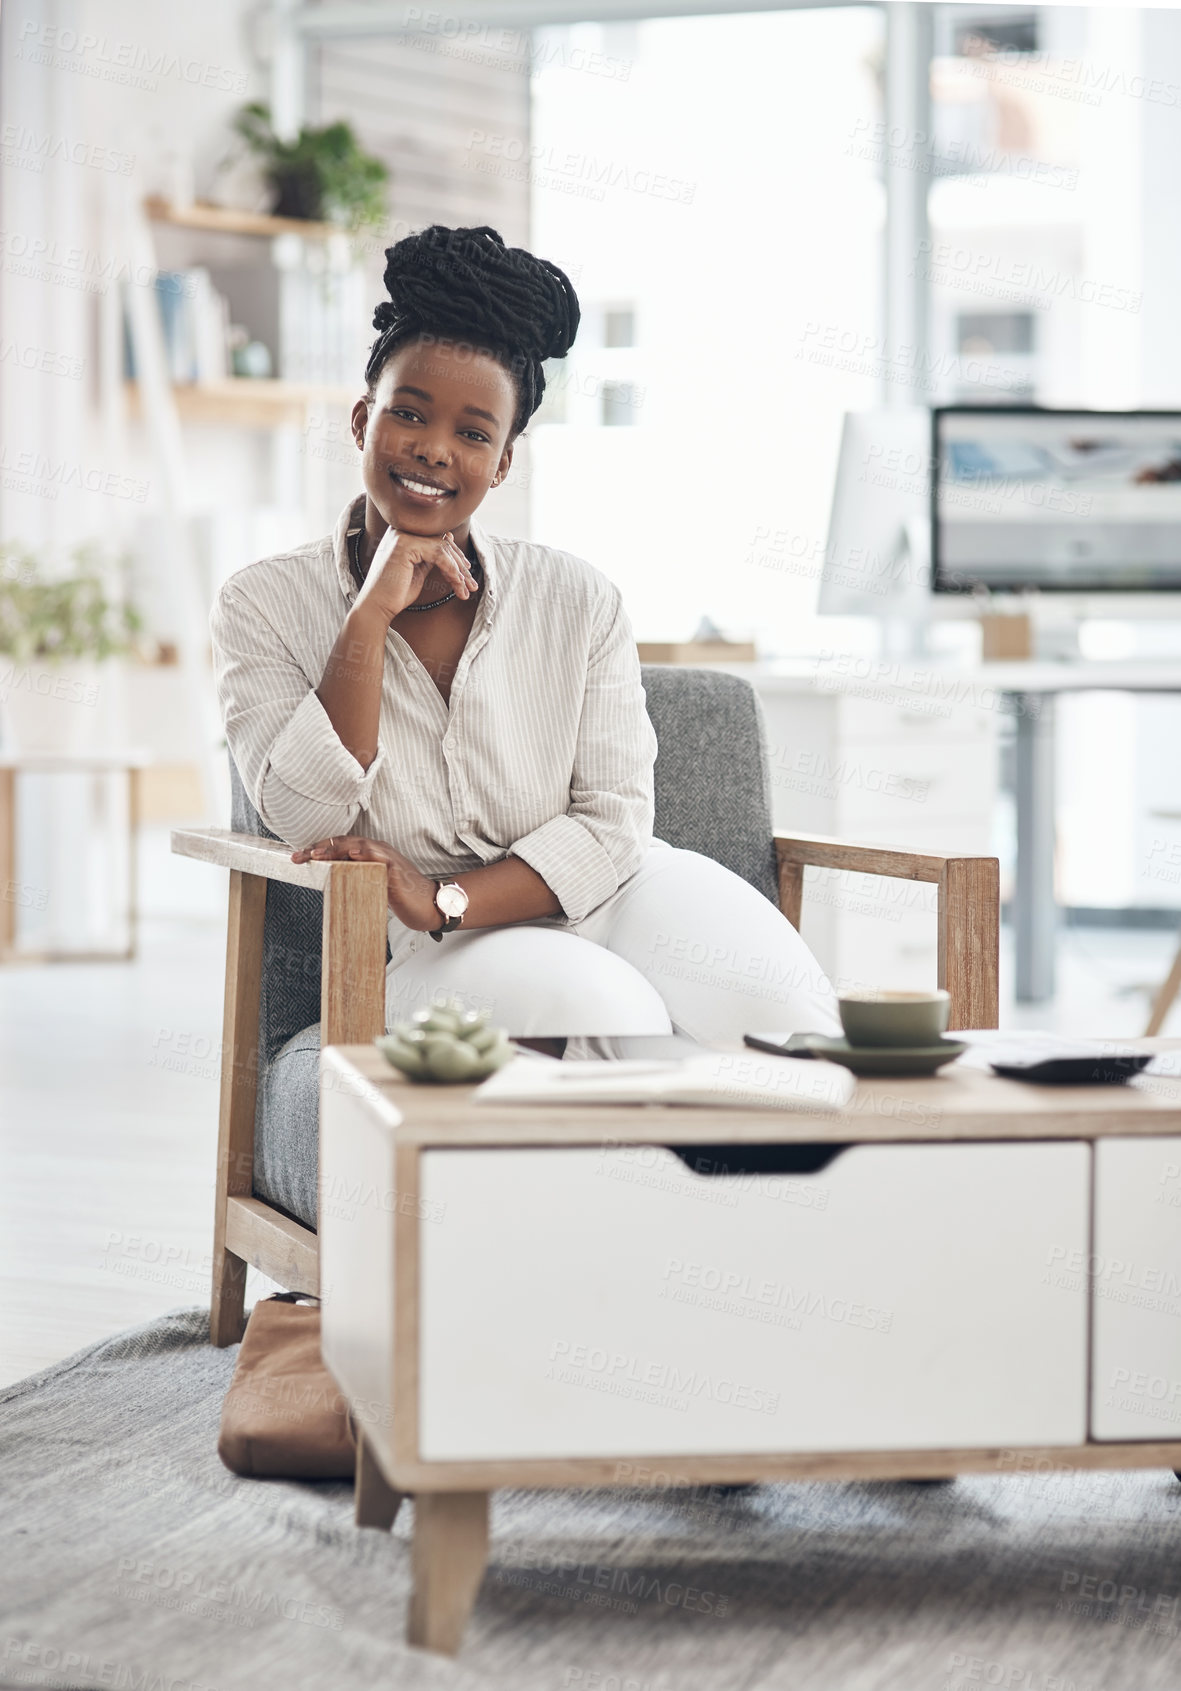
284	1416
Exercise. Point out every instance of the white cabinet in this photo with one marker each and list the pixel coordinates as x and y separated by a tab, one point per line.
1135	1276
610	1302
877	764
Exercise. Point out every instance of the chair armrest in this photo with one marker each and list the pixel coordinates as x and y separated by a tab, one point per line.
819	852
968	945
252	854
352	977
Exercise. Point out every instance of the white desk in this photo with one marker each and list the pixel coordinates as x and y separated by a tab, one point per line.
1027	691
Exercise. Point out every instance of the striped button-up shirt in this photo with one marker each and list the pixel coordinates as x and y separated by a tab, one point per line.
545	750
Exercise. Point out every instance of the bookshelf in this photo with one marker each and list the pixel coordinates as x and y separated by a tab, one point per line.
219	220
294	301
249	402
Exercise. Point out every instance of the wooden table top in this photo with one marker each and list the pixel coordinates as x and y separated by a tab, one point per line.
956	1104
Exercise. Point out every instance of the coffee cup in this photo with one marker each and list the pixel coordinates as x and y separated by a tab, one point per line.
912	1019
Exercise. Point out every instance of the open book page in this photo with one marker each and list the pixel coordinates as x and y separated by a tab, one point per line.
743	1079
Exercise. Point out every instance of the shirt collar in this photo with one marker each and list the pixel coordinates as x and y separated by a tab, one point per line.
354	513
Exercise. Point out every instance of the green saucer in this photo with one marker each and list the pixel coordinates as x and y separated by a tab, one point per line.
882	1059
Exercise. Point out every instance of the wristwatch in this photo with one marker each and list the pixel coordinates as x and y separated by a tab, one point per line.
452	901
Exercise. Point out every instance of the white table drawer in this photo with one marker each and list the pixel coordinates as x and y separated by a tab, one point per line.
880	783
950	712
610	1302
1135	1277
906	784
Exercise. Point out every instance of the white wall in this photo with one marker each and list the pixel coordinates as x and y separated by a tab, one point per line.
97	99
98	83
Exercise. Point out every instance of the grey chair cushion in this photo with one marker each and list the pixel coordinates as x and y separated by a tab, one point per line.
711	797
290	995
711	770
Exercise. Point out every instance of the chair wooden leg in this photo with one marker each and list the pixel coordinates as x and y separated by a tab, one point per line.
450	1552
377	1502
239	1086
227	1314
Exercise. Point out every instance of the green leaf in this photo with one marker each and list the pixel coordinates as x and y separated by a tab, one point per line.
332	172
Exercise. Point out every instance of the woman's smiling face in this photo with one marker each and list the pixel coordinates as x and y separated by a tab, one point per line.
435	436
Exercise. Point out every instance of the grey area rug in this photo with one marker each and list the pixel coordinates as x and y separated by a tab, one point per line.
130	1558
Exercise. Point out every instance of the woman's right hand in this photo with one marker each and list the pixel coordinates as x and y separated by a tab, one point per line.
401	565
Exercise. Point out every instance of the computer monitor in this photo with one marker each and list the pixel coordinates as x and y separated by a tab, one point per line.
876	562
1065	502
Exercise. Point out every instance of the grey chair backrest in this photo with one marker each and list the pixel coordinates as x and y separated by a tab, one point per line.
711	797
712	794
289	999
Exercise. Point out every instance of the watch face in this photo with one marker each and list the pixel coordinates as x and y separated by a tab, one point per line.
452	901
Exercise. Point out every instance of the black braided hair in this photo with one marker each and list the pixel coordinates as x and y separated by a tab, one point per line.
465	285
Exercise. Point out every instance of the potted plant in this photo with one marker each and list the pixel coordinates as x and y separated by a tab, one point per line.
321	176
58	635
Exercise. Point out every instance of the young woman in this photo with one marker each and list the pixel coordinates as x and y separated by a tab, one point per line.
468	710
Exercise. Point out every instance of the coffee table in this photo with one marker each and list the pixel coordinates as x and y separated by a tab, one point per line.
961	1274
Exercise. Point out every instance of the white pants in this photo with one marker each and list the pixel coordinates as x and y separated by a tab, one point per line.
684	948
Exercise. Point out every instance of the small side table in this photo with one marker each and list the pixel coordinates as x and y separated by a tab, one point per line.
130	762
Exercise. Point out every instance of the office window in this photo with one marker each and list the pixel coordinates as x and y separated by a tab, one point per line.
619	326
1017	210
994	358
621	401
1010	30
738	265
553	408
980	332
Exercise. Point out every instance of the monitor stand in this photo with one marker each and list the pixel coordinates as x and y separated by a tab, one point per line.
905	618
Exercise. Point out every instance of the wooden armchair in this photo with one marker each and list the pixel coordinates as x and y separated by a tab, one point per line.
287	962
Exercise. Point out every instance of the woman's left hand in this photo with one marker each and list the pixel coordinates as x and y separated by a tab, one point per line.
411	894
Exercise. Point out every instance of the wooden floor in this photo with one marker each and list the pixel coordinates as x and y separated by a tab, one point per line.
108	1132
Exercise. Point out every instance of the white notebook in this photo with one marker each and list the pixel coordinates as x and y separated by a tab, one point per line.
721	1078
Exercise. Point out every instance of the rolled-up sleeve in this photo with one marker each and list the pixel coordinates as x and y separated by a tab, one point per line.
586	854
303	782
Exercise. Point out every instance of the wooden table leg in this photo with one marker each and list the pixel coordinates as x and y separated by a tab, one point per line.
8	887
450	1551
377	1502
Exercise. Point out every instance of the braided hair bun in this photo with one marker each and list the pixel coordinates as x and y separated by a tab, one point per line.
466	285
